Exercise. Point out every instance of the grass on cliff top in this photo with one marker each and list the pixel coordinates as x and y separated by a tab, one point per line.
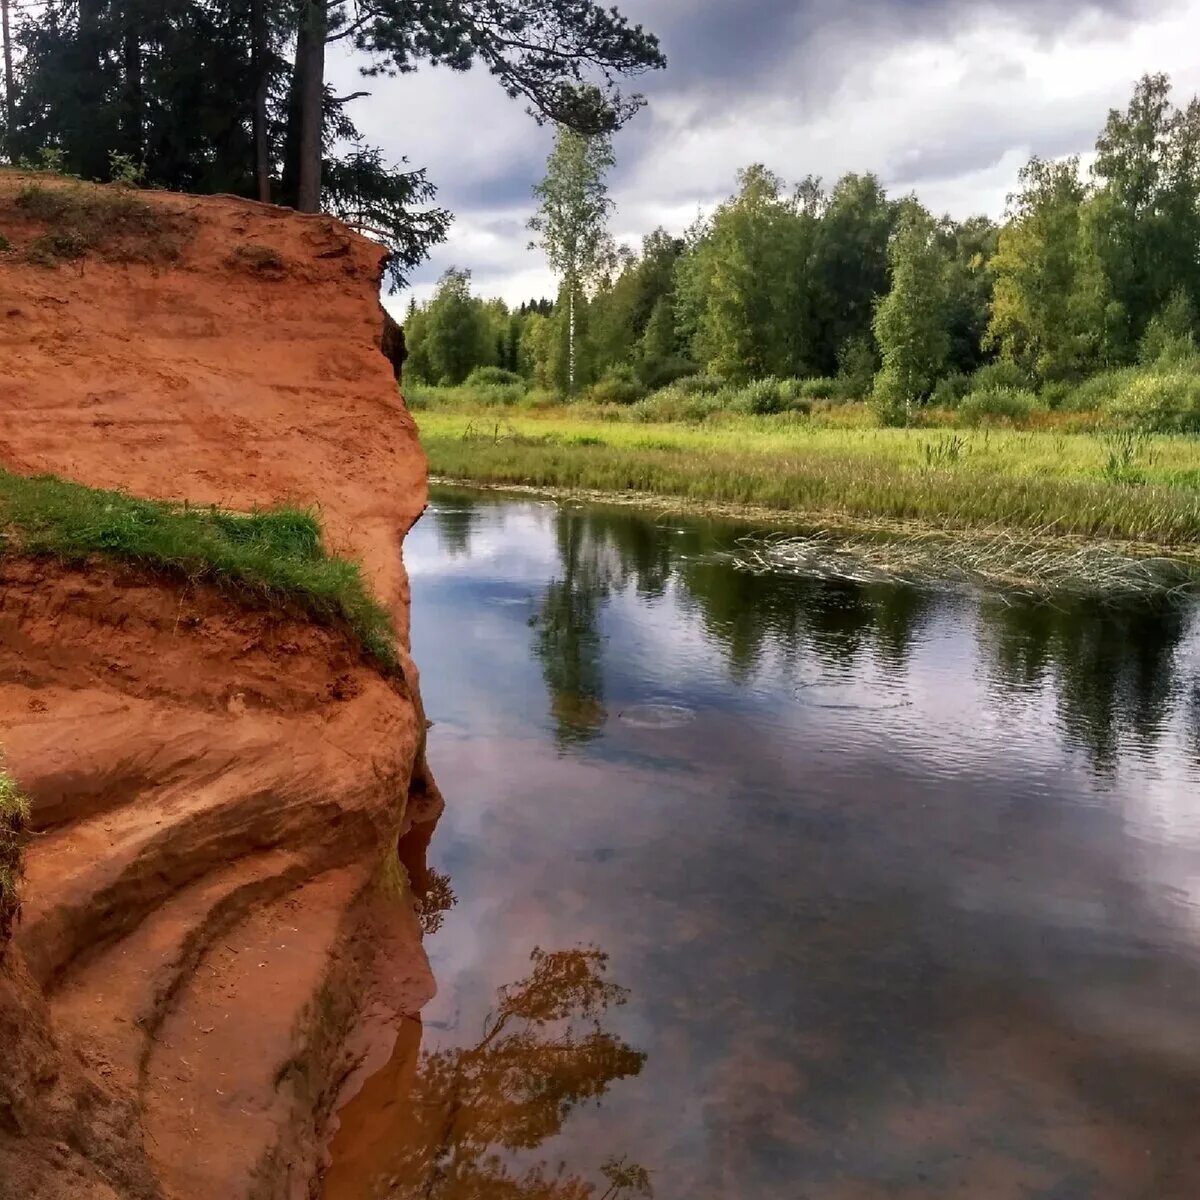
14	816
1145	491
273	555
83	218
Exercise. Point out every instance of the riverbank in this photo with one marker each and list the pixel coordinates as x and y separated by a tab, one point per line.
790	470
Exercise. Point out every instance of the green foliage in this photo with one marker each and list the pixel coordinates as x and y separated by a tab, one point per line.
124	170
1170	336
764	396
485	377
997	405
950	390
618	385
14	821
741	284
1000	374
452	336
700	385
1160	401
912	321
857	364
671	404
272	556
1147	225
1051	312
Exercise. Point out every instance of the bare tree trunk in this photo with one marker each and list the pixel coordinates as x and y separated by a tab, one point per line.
310	73
10	99
258	54
571	340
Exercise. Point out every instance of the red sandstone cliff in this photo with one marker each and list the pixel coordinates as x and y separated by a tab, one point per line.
214	929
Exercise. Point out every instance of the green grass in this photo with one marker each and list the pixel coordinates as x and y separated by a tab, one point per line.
789	464
14	816
274	556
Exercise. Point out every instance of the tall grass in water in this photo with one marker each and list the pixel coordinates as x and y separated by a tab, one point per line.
274	555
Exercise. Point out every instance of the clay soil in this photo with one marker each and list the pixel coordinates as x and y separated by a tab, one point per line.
215	934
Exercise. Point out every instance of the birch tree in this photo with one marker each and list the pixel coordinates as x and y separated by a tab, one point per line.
572	221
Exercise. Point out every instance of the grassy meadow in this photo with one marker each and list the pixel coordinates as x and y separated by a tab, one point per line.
1063	474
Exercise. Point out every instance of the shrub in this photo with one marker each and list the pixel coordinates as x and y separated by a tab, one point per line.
662	372
997	375
887	400
1099	391
699	385
950	390
1160	402
1170	337
765	396
820	388
998	405
482	377
857	364
1056	393
671	404
618	385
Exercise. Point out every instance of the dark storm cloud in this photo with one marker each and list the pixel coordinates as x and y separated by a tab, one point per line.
739	43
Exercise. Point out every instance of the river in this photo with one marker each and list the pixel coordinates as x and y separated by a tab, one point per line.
772	887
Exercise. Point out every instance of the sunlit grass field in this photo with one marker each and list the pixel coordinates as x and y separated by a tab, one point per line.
1113	485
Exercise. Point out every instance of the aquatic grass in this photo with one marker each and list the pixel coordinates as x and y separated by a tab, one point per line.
14	819
274	556
1034	564
993	479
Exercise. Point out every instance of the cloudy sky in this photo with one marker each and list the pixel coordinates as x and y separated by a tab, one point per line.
946	98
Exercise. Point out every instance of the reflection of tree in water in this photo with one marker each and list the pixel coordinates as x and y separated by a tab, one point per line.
1113	668
567	626
601	552
834	619
456	520
542	1053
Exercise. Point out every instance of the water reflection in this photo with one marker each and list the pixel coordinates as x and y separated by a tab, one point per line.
460	1119
906	886
1112	669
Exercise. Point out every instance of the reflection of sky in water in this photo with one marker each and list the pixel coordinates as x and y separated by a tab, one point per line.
908	907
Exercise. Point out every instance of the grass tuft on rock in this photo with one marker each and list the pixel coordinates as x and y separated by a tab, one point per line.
14	817
274	555
81	218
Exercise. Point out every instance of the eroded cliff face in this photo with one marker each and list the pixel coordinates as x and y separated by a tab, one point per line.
215	933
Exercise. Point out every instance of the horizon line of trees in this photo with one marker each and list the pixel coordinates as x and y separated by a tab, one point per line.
1085	273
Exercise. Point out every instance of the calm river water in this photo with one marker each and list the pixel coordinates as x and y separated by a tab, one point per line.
904	888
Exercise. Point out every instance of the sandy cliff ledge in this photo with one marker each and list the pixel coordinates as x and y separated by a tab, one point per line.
214	930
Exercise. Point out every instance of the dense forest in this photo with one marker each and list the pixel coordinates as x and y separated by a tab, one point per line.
232	95
861	293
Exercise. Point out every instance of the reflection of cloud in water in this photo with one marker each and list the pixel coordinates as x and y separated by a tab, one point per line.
942	951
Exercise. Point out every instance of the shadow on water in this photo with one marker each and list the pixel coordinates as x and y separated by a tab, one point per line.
904	884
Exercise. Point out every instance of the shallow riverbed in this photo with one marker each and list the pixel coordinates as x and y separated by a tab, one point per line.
904	888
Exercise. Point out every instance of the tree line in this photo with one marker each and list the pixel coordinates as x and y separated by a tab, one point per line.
1087	271
233	96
